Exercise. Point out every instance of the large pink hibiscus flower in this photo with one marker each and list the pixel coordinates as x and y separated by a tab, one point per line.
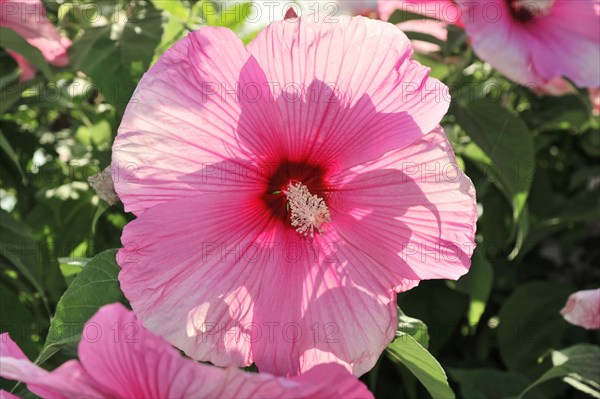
536	43
28	19
120	359
286	191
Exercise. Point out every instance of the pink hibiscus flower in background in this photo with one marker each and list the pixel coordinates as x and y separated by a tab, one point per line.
583	309
28	19
209	152
536	43
120	359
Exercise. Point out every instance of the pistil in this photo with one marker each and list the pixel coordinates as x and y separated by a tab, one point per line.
308	211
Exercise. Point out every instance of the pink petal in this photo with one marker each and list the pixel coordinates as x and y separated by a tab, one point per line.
28	19
326	303
27	69
127	361
583	309
203	102
347	85
557	87
413	212
123	360
7	395
67	381
323	381
198	292
443	10
595	99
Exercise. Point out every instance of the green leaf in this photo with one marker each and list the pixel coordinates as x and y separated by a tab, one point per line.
530	323
478	285
12	40
488	384
400	16
578	366
413	327
10	154
96	285
507	155
407	351
20	251
115	55
507	148
99	57
424	37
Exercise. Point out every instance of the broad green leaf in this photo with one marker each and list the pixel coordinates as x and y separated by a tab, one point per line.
530	323
407	351
115	55
20	251
12	40
578	366
413	327
456	39
99	56
478	285
400	16
96	285
507	148
508	156
10	154
488	383
424	37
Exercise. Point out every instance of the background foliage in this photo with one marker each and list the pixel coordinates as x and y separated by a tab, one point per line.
534	162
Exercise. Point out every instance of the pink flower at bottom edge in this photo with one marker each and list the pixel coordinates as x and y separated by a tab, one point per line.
583	309
206	156
118	358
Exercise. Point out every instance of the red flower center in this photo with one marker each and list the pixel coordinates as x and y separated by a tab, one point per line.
527	10
288	172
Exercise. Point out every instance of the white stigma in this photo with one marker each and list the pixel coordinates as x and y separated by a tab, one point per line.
309	212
